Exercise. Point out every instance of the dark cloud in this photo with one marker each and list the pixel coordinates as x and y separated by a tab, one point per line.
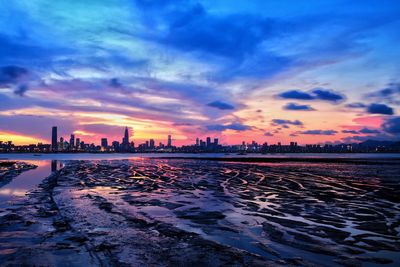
268	134
356	105
316	94
319	132
188	26
350	131
220	105
294	106
375	108
286	122
194	29
11	74
369	131
392	125
390	94
327	95
234	126
296	94
21	89
182	124
114	82
362	131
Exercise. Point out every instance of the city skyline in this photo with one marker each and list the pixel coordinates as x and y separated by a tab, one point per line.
59	144
275	71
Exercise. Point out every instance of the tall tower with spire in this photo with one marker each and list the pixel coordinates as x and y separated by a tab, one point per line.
126	136
125	140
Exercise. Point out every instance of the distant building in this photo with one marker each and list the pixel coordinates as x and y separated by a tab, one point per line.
61	144
169	143
104	142
152	144
115	145
72	142
215	142
125	141
54	145
208	141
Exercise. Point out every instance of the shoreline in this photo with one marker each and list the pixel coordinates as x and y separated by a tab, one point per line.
368	161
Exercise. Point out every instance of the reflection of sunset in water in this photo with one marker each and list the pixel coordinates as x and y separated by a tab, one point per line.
26	181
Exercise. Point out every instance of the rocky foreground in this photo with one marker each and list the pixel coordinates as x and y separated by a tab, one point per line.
154	212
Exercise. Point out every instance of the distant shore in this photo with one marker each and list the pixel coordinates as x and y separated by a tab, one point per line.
354	158
386	161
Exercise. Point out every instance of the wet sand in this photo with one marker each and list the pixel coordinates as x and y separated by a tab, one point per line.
163	212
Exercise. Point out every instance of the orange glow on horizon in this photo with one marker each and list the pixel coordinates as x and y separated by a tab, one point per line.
19	139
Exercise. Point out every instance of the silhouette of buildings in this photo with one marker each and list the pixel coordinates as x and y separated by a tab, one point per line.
72	142
104	143
169	142
200	146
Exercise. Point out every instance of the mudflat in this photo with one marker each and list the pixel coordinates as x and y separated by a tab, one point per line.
163	212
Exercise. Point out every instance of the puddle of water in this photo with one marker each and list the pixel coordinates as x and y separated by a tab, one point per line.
28	180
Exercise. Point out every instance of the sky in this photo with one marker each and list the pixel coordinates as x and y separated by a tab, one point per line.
269	71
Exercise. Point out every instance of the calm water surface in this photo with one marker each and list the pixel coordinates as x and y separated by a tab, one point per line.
26	181
89	156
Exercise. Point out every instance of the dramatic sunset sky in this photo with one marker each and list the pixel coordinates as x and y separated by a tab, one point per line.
305	71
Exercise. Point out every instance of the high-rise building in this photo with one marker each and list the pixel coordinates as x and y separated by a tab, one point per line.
208	141
72	142
125	140
169	143
54	146
215	142
202	144
152	144
104	142
78	143
61	144
115	145
197	141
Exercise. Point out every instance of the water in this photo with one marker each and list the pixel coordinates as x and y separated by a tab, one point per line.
26	181
89	156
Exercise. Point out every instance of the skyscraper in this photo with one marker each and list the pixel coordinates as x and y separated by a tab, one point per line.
61	144
208	140
54	146
104	142
125	140
215	142
152	144
197	141
72	142
169	144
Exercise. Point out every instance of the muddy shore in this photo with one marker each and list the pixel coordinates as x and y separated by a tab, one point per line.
164	212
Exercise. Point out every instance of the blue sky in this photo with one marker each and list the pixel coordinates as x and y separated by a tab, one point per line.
196	68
